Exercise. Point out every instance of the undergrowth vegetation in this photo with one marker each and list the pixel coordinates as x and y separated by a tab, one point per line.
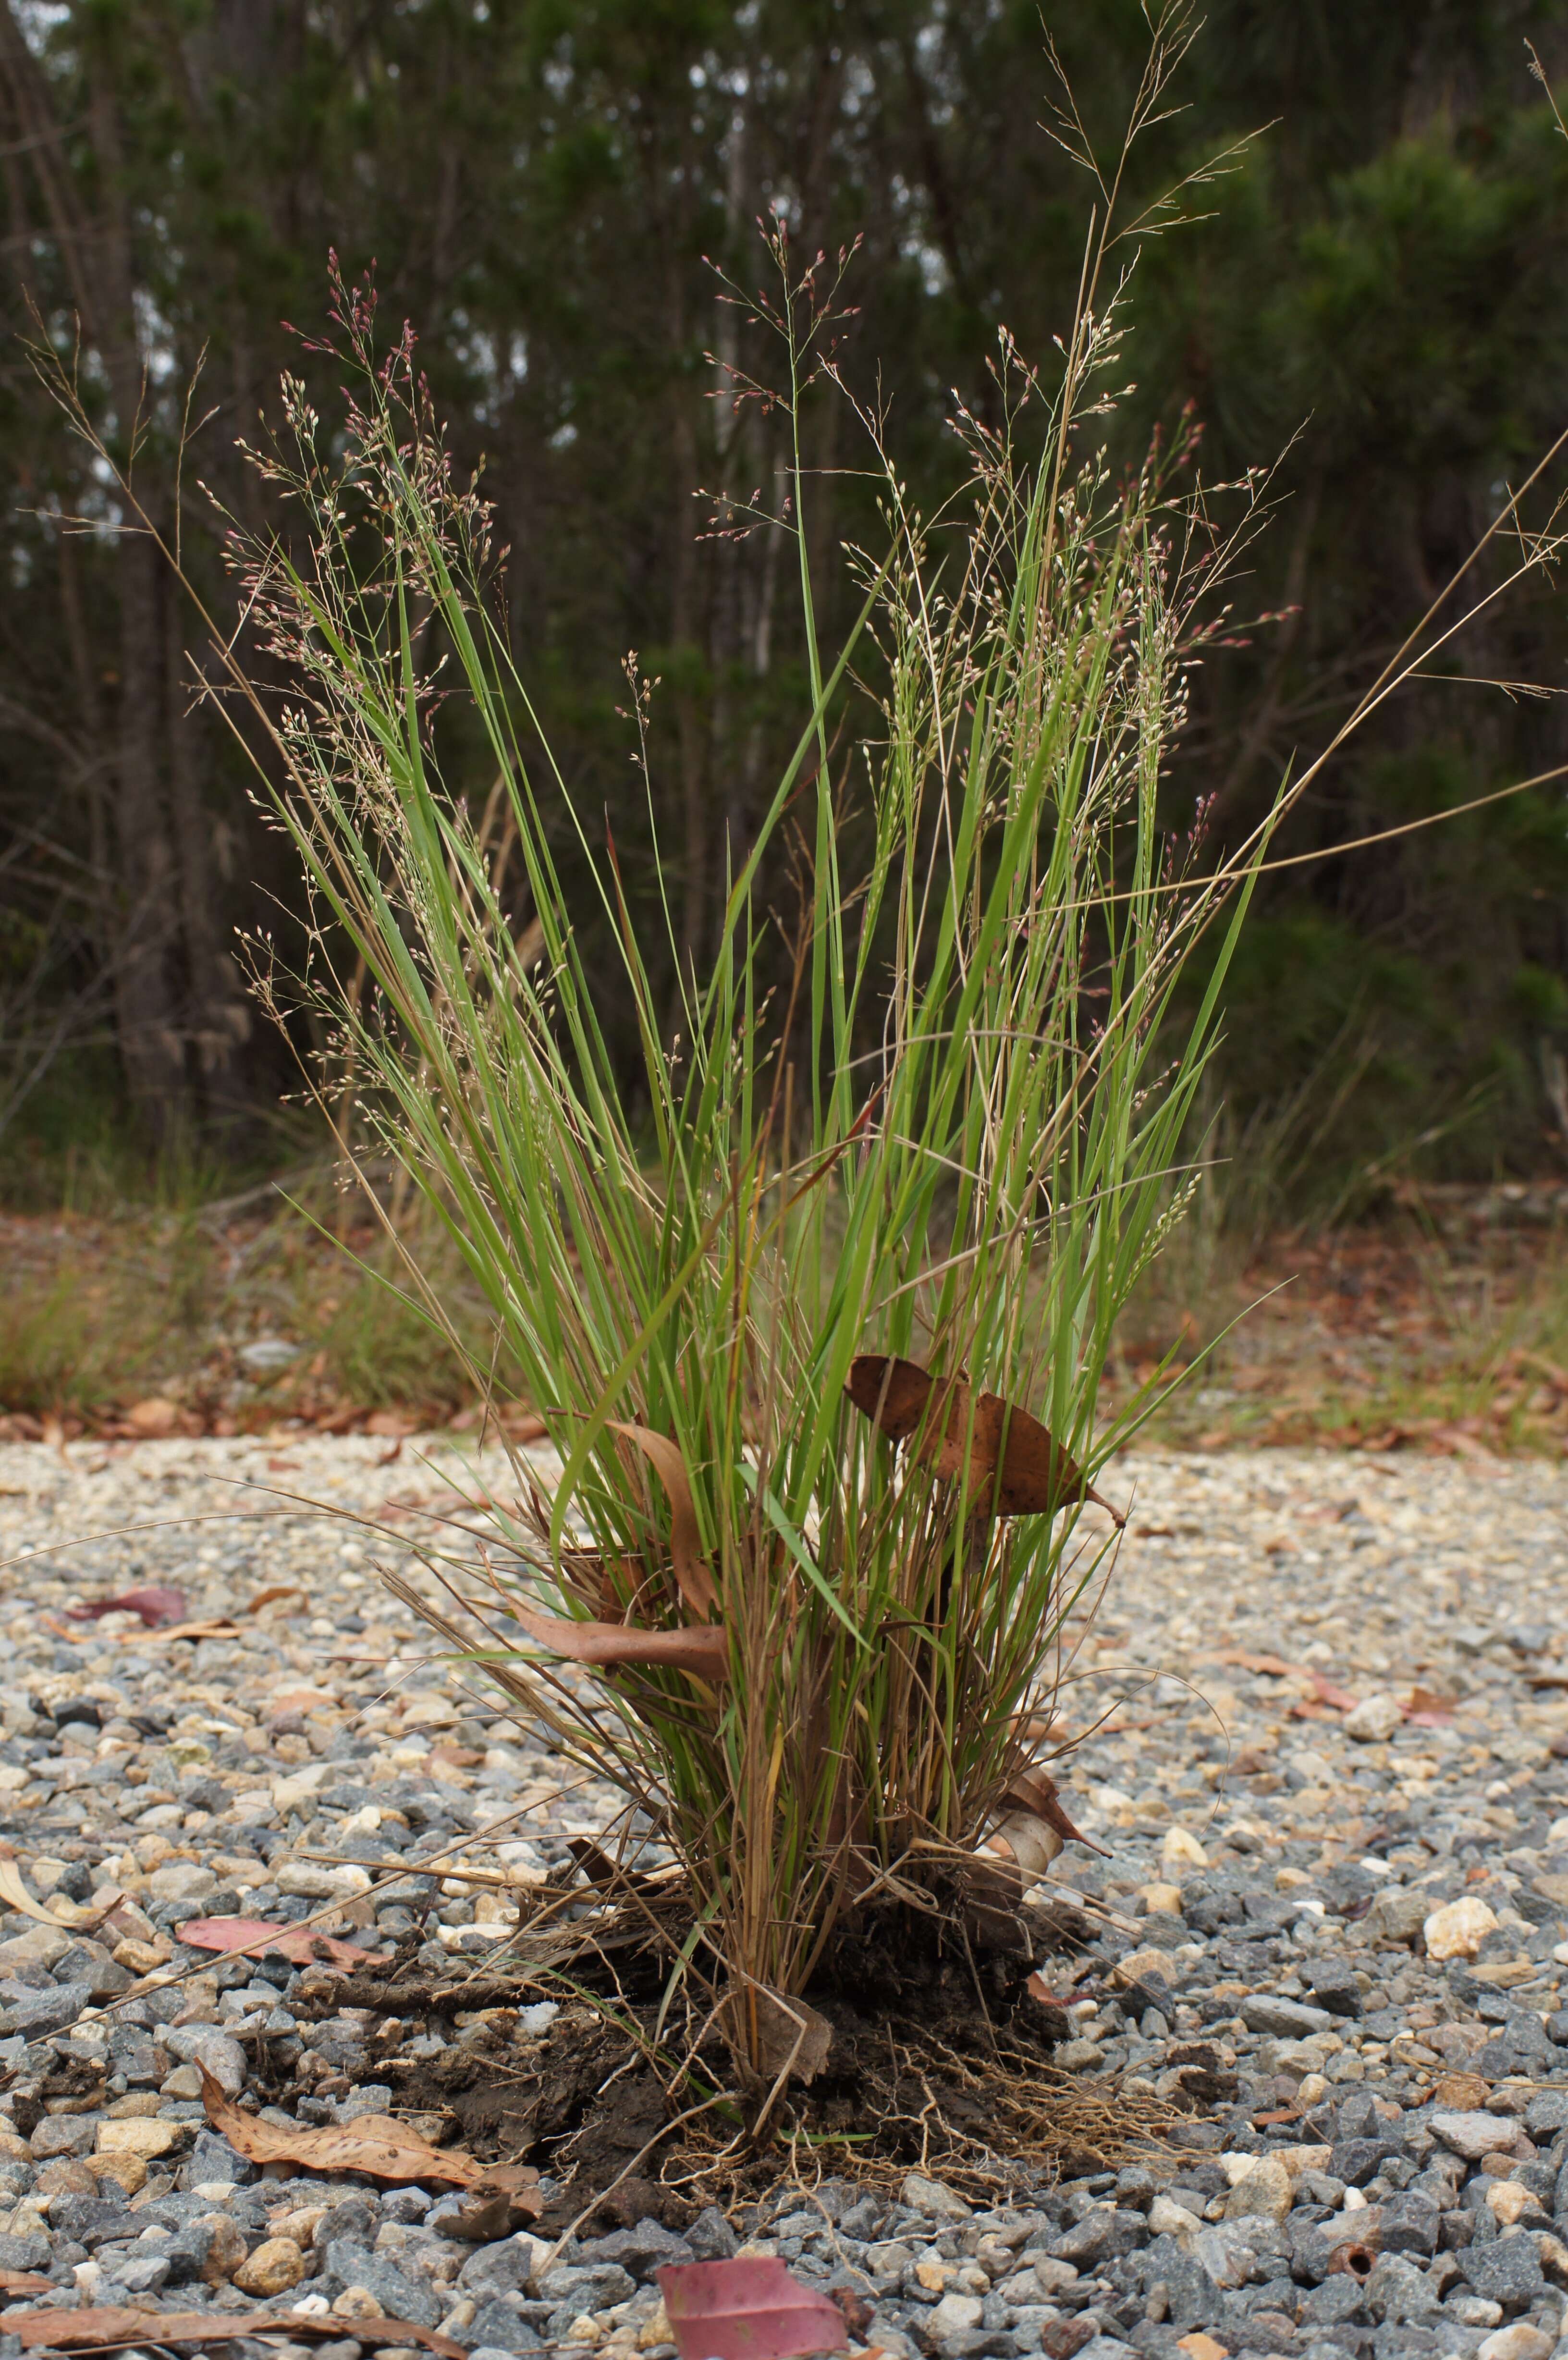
205	1317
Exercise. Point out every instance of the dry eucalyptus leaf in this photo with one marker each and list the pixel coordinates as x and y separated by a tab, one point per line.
1016	1467
748	2309
495	2207
155	1606
303	1944
787	2034
691	1572
698	1648
110	2328
377	2144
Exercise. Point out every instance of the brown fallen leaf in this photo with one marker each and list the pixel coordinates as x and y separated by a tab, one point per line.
110	2328
696	1583
1323	1690
377	2144
1035	1826
496	2207
25	2282
1431	1711
300	1700
1015	1464
522	1425
453	1757
219	1627
699	1647
779	2034
154	1417
303	1944
1248	1660
276	1590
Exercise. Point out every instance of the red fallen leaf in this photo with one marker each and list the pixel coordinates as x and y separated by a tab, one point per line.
749	2309
1037	1988
1010	1455
303	1944
156	1607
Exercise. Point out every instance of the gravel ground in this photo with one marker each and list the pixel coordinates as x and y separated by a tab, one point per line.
1331	1772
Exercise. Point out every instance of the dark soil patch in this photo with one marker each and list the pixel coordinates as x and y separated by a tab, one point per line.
941	2061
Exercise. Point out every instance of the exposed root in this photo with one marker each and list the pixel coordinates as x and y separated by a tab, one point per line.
940	2063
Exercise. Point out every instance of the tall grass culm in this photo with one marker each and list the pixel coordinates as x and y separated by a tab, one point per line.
819	1335
815	1303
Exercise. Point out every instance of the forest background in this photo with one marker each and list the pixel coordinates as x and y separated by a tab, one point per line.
1375	297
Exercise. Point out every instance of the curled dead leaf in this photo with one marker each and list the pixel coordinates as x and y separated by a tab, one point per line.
698	1648
1030	1842
270	1596
1034	1826
496	2207
1036	1793
1015	1466
696	1583
377	2145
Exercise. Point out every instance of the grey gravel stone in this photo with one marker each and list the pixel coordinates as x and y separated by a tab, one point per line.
1264	2012
1298	1947
400	2295
32	2014
1505	2269
503	2267
498	2330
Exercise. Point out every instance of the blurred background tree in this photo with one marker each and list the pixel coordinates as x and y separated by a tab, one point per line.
1377	291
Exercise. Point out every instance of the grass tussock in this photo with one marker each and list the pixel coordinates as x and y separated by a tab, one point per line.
820	1344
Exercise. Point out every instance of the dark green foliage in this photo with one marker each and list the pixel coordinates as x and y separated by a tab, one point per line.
1384	278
